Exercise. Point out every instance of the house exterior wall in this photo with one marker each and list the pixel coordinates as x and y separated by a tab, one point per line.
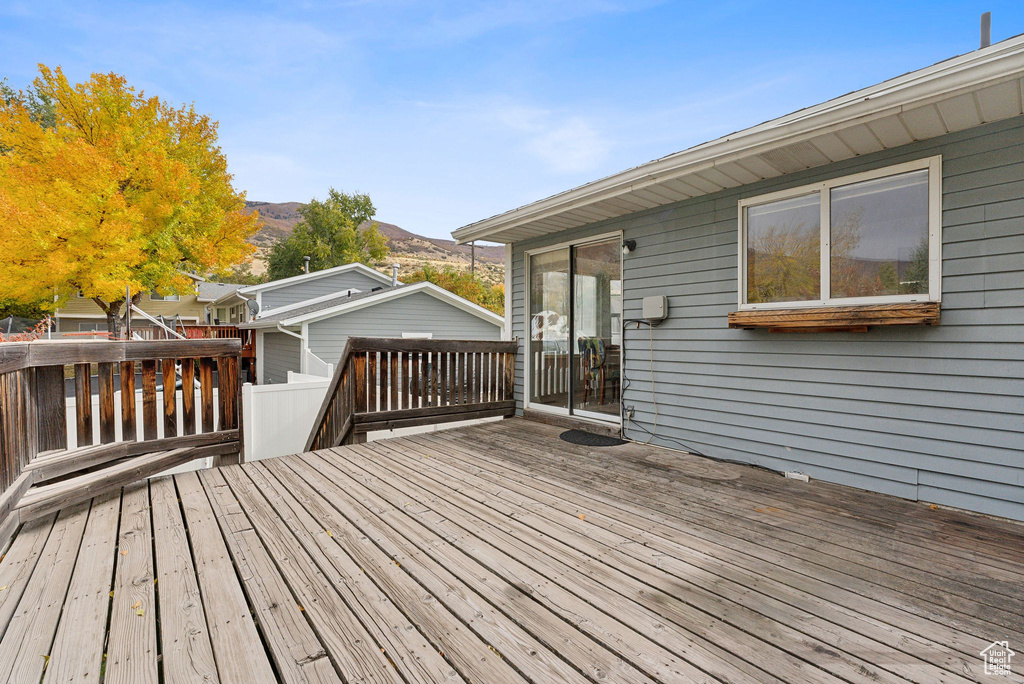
318	287
415	313
281	353
929	413
81	310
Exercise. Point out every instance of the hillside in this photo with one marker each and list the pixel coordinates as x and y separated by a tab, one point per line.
407	248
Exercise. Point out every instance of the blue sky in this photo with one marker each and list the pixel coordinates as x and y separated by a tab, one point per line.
449	112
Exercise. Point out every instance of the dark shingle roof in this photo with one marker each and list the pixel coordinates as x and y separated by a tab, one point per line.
214	291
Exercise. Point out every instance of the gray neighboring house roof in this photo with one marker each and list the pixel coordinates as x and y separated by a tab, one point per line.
315	275
343	302
316	305
211	292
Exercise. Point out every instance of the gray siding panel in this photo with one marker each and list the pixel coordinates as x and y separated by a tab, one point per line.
281	353
415	313
935	414
310	289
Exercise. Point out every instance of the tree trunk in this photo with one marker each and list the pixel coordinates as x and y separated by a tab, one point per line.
112	310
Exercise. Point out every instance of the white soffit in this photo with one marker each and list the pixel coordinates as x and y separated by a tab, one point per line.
959	93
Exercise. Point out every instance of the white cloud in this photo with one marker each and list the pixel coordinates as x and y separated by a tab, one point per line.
572	146
564	143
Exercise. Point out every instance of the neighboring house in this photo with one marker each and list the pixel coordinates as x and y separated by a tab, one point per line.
81	314
210	293
297	336
804	262
307	286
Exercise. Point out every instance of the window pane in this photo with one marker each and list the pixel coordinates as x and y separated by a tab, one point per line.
784	250
880	237
549	328
597	307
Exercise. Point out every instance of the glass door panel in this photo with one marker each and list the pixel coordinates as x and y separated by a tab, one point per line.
549	328
596	329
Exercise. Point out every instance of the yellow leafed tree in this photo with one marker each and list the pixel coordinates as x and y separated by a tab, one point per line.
115	190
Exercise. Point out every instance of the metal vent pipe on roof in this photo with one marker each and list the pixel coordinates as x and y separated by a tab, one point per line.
305	265
394	274
986	29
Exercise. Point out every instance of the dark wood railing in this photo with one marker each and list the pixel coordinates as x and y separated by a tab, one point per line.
40	474
193	331
384	384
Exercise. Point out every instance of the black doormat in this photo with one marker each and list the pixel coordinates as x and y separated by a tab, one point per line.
589	439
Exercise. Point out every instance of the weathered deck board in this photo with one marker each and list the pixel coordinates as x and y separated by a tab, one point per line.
468	653
132	651
237	647
77	652
708	582
811	542
496	553
187	654
528	655
297	652
26	642
567	582
400	639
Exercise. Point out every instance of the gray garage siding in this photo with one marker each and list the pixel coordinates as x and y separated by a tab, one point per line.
318	287
412	313
935	414
281	353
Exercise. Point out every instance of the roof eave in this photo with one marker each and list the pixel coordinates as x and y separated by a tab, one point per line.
974	71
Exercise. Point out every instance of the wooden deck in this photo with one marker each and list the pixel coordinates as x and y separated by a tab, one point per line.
499	553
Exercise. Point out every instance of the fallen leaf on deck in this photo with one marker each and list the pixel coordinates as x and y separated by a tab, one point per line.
47	659
582	517
330	534
136	604
139	612
3	587
124	552
111	593
933	507
301	609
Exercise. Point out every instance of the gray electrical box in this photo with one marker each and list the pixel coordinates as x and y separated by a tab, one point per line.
655	308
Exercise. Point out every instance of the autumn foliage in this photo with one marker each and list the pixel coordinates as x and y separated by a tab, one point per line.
115	190
464	284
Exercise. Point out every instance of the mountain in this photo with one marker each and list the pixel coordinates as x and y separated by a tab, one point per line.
408	249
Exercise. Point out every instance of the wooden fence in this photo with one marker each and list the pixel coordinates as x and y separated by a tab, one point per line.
39	474
384	384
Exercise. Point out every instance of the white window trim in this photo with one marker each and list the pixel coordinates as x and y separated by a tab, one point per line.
164	298
934	167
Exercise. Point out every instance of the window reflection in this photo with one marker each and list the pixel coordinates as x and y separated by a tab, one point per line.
879	232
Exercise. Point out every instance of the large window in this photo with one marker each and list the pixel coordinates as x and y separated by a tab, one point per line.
872	238
154	297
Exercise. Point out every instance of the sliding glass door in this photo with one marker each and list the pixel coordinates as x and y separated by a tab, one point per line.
575	300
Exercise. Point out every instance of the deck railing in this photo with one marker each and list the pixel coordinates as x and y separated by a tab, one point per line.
207	332
384	384
139	430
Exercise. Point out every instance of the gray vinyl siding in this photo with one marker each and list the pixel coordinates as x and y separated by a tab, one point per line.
415	313
929	413
281	353
318	287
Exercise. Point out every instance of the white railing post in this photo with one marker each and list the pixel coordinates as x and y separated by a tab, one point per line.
248	424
